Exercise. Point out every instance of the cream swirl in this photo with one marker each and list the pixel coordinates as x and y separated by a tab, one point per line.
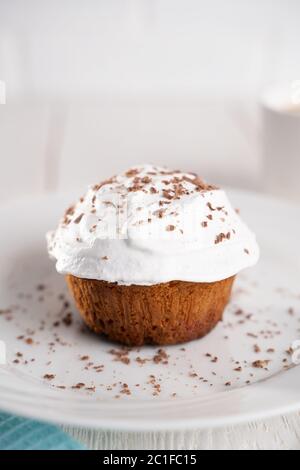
152	225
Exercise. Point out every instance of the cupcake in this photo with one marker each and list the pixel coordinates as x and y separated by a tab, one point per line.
150	256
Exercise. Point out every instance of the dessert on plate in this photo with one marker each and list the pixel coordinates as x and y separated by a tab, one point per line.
150	255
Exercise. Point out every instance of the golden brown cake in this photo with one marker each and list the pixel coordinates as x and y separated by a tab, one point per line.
150	256
167	313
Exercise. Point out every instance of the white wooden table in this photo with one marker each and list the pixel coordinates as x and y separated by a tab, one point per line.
54	147
282	433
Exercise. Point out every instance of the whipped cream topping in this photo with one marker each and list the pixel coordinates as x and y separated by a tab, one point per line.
152	225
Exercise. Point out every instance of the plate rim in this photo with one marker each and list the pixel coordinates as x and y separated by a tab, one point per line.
254	392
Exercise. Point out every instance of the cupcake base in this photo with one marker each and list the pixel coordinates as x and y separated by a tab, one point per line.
167	313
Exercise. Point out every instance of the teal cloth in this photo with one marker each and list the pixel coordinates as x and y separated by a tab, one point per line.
25	434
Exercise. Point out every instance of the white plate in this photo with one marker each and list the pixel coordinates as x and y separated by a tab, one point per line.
264	311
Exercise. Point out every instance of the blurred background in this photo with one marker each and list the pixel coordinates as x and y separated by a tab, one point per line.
95	86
